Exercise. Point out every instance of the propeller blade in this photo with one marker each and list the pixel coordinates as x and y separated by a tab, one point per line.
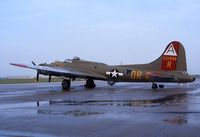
49	78
37	77
33	63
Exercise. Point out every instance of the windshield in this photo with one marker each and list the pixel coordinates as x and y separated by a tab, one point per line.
70	60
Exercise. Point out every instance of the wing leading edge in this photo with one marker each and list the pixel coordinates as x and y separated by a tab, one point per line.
57	71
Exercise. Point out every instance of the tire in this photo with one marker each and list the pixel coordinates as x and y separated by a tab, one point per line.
110	82
66	84
154	86
90	84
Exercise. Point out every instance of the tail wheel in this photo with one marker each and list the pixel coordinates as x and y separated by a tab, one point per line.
90	83
66	84
111	82
154	86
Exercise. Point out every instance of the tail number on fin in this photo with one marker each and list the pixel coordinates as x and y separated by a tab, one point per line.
169	58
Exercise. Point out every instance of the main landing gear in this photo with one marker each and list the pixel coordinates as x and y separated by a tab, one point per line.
155	86
67	83
90	84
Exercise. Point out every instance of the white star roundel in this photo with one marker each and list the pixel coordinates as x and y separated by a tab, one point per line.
114	73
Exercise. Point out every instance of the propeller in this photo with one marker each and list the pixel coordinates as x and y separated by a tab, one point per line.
38	74
49	78
33	63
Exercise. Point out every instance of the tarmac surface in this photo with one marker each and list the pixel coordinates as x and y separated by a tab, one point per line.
122	110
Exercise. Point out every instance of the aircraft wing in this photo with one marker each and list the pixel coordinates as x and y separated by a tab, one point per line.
57	71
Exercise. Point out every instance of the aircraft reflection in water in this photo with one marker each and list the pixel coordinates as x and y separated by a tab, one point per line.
170	67
132	103
142	105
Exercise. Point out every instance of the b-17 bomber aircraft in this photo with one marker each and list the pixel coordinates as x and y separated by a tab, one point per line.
170	67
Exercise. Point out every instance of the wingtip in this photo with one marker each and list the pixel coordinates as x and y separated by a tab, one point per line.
13	64
19	65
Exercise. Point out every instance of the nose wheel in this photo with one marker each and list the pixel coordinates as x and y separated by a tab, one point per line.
90	84
66	84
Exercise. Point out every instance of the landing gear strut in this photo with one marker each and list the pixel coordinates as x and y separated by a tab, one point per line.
66	84
90	83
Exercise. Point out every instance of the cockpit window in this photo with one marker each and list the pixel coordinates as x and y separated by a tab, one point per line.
70	60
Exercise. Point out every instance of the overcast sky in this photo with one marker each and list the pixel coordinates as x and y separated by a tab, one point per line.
109	31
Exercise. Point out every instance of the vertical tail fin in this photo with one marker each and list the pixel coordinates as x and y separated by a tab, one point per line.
172	59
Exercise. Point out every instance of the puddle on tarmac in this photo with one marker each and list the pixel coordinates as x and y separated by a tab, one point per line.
75	113
118	103
180	120
132	103
41	107
21	105
8	133
20	109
